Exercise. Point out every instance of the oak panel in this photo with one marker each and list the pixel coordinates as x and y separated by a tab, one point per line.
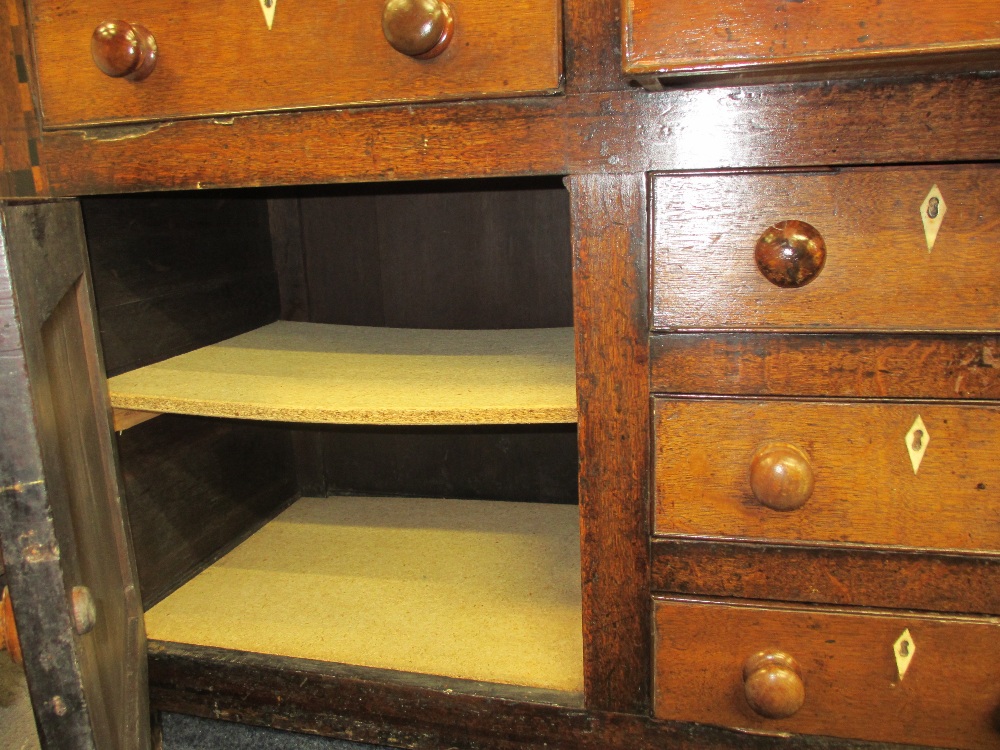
866	489
880	273
856	576
314	55
745	35
799	364
948	697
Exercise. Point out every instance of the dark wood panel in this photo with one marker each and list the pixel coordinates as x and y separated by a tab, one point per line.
144	247
469	254
706	272
864	365
342	261
593	50
414	711
195	488
175	272
844	122
523	463
856	576
140	333
63	528
610	316
285	224
947	697
866	489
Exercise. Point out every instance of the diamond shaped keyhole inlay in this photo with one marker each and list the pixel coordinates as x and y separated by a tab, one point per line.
917	440
904	648
268	6
932	212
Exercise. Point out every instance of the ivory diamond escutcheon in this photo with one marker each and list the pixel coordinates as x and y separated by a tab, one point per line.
917	440
932	212
904	648
268	7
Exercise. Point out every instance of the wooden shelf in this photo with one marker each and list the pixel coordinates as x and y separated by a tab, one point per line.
309	372
472	589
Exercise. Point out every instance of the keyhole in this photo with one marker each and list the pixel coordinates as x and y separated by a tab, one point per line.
918	439
932	208
904	648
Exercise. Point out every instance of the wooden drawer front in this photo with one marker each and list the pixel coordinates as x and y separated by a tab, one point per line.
949	694
742	35
220	57
865	488
878	274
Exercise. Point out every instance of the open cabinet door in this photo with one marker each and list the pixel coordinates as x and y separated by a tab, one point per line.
65	537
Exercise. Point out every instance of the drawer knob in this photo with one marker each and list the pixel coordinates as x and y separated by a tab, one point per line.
123	50
418	28
781	476
790	254
773	684
8	632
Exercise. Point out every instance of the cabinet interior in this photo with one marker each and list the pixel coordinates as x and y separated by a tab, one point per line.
446	549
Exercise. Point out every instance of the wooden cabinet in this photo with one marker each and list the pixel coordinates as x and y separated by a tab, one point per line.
766	448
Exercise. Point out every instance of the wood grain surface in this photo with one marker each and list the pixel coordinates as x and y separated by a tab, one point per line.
197	487
865	487
745	35
948	696
314	56
62	522
610	319
879	273
418	711
858	575
839	122
836	365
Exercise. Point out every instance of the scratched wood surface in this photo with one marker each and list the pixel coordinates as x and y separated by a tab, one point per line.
948	696
744	34
841	122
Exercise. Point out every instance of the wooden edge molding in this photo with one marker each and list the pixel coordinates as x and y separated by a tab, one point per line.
415	711
774	125
824	575
826	365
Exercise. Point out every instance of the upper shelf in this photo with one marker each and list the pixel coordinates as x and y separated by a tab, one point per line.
309	372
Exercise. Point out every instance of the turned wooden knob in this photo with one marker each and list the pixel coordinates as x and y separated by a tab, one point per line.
773	684
123	50
418	28
790	254
8	632
781	476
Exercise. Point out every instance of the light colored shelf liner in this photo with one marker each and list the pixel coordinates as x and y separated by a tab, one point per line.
310	372
480	590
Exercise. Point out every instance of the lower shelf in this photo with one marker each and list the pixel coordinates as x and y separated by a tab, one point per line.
477	590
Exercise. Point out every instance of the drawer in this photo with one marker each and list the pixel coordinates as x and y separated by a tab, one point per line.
314	55
884	268
745	35
829	471
844	674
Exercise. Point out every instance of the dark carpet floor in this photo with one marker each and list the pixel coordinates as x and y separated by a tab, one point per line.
190	733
